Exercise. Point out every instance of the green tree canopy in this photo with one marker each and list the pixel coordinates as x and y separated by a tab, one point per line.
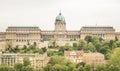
115	57
57	60
91	47
87	67
26	62
101	68
81	45
18	66
88	39
6	68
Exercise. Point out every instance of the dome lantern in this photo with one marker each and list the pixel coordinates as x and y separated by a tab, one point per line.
60	17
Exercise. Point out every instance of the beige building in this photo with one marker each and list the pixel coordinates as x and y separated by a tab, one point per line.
2	40
107	33
23	35
60	32
37	60
93	59
89	58
118	35
74	56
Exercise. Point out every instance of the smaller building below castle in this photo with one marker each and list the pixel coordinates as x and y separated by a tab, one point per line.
38	61
93	59
74	56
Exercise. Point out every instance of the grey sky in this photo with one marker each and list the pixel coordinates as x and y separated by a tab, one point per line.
42	13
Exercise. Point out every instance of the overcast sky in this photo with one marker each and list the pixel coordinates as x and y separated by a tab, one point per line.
42	13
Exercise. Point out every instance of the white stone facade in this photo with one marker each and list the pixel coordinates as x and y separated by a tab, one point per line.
23	35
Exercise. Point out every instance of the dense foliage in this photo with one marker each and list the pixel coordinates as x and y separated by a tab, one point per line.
59	63
25	49
89	44
110	49
26	66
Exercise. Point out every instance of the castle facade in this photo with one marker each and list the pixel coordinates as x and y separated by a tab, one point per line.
23	35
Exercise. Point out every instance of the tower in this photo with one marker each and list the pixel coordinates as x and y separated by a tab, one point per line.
60	24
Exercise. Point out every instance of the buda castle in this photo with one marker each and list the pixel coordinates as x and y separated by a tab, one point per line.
23	35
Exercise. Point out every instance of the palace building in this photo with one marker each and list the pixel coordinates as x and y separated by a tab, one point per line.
107	33
24	35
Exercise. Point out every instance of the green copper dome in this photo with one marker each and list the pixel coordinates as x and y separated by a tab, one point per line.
60	18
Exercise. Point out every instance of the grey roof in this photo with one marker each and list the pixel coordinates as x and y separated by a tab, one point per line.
97	27
23	28
117	33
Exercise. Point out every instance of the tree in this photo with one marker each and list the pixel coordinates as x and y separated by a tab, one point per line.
64	48
68	46
57	60
91	47
26	62
53	53
31	47
11	69
24	68
98	46
80	64
24	48
87	67
57	67
115	57
116	38
80	68
81	45
75	69
111	44
75	46
16	49
34	44
61	49
44	49
40	51
95	39
29	68
104	49
54	43
101	68
118	43
6	68
48	67
18	66
9	46
65	68
113	68
45	39
28	43
88	39
71	66
59	63
100	39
